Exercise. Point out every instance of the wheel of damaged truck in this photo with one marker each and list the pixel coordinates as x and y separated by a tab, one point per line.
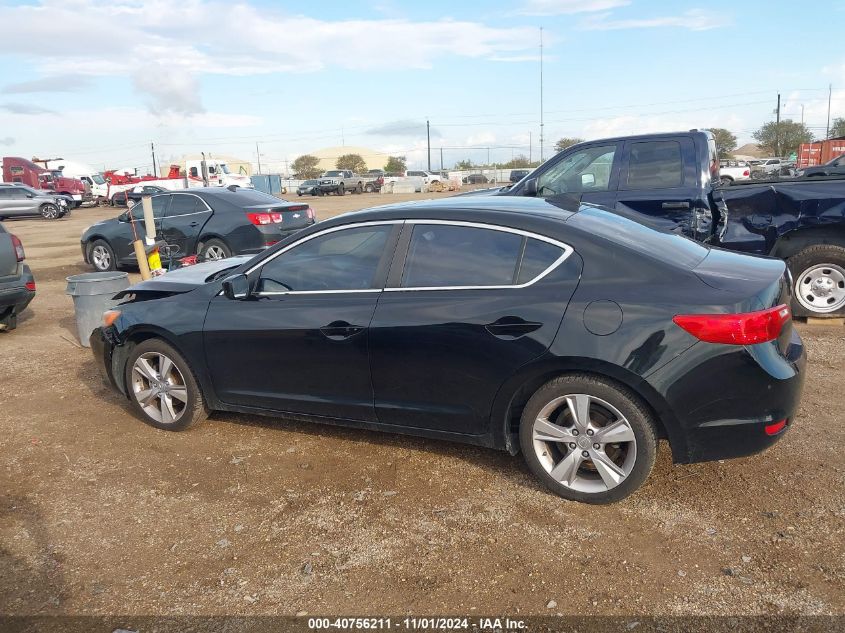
818	274
588	439
50	211
340	189
162	388
369	187
215	249
101	256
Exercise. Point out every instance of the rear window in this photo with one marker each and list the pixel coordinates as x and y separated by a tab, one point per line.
245	197
655	165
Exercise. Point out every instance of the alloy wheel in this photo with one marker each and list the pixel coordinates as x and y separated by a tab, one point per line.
100	257
821	288
159	387
214	253
584	443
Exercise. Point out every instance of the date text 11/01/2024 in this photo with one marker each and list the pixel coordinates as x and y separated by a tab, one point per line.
417	624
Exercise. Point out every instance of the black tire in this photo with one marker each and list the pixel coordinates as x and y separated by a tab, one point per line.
369	188
101	256
639	421
189	412
50	211
215	249
724	181
829	260
341	190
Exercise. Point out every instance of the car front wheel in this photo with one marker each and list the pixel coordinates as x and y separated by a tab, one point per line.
101	256
588	439
50	211
162	388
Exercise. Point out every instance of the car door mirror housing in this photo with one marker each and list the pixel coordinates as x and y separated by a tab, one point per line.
588	180
123	217
29	195
236	287
530	187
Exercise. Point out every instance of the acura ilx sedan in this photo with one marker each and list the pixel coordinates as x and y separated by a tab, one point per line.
575	336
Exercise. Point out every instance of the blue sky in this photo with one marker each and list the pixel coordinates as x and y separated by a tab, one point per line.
96	81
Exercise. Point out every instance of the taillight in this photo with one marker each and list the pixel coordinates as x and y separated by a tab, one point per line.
260	218
310	213
746	173
30	285
748	328
16	243
278	218
775	427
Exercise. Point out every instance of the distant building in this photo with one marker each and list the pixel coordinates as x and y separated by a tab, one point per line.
747	151
329	155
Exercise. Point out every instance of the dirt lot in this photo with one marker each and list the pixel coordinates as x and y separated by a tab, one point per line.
101	514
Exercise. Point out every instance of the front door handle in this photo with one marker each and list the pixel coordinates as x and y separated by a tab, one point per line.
511	327
194	223
340	330
675	205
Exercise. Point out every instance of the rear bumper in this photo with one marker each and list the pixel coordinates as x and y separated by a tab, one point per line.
15	294
723	403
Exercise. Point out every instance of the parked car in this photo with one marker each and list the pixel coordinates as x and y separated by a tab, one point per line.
431	179
475	179
131	196
308	187
766	167
834	167
21	200
344	323
671	182
733	170
518	174
17	285
340	181
212	222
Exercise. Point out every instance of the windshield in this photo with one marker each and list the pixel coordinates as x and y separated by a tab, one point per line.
224	168
310	182
98	179
333	173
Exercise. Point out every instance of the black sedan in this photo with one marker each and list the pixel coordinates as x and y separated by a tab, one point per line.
213	222
308	187
17	285
577	336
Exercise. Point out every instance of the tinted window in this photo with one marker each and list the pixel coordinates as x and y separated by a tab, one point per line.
241	197
5	192
537	258
582	171
342	260
159	207
445	255
182	205
655	165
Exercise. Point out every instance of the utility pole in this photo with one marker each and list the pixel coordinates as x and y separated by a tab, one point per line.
777	129
428	141
530	147
829	94
441	158
153	150
541	94
258	156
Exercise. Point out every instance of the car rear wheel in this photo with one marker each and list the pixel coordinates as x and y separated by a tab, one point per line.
369	188
162	388
588	439
50	211
818	273
215	249
101	256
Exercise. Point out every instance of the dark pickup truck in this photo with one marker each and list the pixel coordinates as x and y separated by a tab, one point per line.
671	182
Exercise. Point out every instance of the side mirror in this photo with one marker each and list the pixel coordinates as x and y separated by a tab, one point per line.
30	195
123	217
530	187
236	287
588	180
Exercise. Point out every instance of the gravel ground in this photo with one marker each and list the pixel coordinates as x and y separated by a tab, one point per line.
101	514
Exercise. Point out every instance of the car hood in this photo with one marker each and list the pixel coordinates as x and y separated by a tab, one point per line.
184	279
493	191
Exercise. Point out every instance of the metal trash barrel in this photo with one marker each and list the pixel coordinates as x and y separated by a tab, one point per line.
92	295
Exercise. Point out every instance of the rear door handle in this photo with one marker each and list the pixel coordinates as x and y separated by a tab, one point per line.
675	205
511	327
340	330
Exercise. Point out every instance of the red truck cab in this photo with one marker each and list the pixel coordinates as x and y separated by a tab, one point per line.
16	169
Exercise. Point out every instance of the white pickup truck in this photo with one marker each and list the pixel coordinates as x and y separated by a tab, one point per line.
340	181
733	170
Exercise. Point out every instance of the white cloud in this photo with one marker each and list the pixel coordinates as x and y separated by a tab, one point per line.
25	108
68	82
694	20
7	140
163	46
561	7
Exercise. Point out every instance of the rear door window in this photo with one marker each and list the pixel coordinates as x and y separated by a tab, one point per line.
456	256
655	165
182	204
